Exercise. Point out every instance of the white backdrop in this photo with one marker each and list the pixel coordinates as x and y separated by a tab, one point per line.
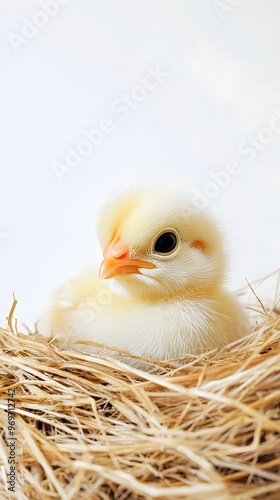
179	88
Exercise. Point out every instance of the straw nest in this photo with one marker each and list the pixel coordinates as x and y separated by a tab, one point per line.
92	427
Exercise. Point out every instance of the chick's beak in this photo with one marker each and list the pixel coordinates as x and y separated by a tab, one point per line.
117	261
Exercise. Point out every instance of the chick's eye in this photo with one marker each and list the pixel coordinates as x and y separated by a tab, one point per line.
165	243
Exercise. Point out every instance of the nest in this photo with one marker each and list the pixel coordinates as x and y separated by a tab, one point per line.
93	427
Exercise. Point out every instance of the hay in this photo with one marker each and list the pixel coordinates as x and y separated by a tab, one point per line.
92	427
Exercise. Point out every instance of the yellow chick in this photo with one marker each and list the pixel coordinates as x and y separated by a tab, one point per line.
164	267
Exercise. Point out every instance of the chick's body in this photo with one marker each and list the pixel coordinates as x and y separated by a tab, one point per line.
163	296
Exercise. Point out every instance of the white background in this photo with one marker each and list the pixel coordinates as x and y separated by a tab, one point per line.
223	85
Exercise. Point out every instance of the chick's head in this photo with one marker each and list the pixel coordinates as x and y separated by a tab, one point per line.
157	243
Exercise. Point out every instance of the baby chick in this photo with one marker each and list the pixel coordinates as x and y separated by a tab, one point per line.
164	266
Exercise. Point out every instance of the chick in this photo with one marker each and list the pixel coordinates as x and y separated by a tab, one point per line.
164	266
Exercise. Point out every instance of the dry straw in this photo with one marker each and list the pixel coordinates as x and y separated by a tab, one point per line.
92	427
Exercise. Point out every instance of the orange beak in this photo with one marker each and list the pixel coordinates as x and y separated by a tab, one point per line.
117	261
